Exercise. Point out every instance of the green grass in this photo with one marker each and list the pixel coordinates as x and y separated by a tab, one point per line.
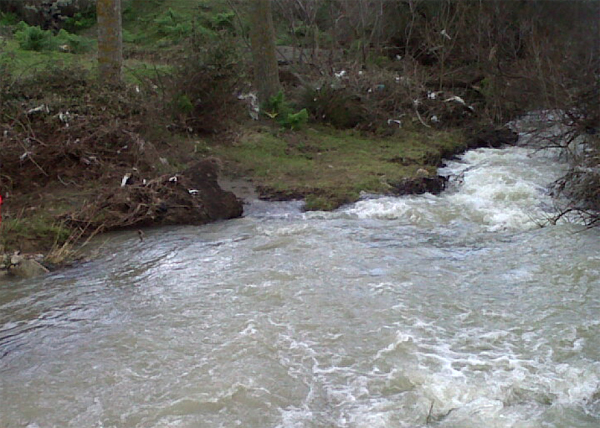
21	62
161	24
32	232
143	32
331	167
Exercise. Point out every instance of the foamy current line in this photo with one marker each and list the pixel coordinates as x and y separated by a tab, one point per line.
489	189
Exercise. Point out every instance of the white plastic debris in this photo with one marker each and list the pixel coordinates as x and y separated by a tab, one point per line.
38	109
445	34
64	117
173	179
456	99
435	119
396	121
253	109
341	74
460	101
125	179
193	191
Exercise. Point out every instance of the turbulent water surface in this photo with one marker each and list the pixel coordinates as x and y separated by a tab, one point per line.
432	311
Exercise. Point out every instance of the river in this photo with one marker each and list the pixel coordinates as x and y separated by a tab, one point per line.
456	310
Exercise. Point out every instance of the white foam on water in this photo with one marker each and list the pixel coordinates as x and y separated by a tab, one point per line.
478	378
492	189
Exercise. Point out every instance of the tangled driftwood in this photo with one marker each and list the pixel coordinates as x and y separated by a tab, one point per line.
191	197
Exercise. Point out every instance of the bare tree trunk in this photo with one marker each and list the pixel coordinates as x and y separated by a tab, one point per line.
262	37
110	41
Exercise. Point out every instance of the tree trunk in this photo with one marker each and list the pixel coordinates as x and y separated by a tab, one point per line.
262	37
110	41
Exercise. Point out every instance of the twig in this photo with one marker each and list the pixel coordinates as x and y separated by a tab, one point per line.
421	119
428	419
32	159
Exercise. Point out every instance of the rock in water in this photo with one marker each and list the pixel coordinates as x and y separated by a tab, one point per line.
25	267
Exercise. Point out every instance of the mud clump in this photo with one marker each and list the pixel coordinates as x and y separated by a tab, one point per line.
190	197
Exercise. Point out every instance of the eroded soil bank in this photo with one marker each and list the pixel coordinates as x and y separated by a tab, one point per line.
48	213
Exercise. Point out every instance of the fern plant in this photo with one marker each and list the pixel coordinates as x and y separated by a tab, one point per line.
279	109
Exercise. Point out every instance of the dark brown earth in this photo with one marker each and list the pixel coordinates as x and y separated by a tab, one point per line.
190	197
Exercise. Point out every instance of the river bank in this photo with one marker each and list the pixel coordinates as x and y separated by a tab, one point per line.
325	167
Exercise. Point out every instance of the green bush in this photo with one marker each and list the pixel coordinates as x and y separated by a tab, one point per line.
184	104
34	38
296	121
336	106
8	19
223	21
279	109
81	21
200	90
75	43
129	37
174	25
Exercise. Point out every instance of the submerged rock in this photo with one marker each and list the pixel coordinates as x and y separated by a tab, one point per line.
419	185
494	138
22	266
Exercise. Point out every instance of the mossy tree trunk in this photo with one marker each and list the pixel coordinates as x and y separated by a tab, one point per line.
262	37
110	41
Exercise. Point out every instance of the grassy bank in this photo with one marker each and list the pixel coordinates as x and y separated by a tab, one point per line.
330	167
324	166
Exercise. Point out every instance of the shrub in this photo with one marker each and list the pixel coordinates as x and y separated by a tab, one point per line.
34	38
81	21
279	109
8	19
75	43
336	107
200	92
223	21
174	25
296	121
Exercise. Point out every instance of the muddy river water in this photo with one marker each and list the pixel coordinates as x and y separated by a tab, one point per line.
456	310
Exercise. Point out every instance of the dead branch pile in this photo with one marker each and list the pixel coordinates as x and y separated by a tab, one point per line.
61	128
192	197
